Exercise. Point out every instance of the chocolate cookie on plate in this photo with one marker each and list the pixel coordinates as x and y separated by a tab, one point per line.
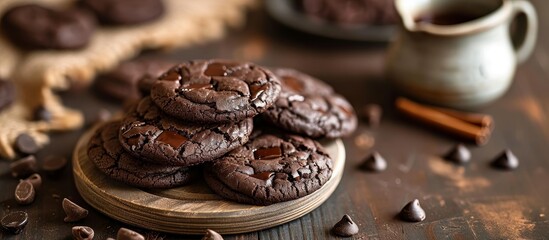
37	27
215	91
308	106
105	151
159	138
270	169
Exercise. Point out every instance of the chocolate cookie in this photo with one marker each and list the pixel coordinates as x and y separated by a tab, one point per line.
270	169
105	151
7	93
310	107
215	91
125	12
159	138
351	11
122	82
36	27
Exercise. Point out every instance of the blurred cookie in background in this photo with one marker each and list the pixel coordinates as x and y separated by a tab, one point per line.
351	12
121	83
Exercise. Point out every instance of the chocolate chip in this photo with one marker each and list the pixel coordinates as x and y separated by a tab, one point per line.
24	193
53	165
459	154
345	227
25	144
374	163
212	235
127	234
506	160
82	233
371	113
412	212
35	180
23	167
15	222
73	211
42	114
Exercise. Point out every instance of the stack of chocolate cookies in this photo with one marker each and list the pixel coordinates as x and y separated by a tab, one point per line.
246	129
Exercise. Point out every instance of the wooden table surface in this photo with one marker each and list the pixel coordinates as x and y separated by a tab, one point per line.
470	202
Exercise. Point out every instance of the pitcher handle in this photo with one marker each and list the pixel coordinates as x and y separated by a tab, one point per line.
529	37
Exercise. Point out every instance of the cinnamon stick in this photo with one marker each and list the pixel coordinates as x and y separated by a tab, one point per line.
446	122
481	120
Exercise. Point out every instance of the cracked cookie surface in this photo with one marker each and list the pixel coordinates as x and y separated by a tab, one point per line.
105	151
149	133
215	91
270	169
310	107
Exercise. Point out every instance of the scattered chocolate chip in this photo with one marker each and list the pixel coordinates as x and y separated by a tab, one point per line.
24	193
412	212
212	235
82	233
371	113
53	165
459	154
374	163
15	222
506	160
23	167
127	234
73	211
35	180
42	114
25	144
345	227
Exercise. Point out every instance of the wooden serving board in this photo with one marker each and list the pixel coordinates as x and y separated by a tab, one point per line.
191	209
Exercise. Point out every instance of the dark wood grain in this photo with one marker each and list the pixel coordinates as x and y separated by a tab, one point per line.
470	202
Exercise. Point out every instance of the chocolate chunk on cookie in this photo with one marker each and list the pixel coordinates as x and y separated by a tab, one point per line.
36	27
122	82
7	93
270	169
310	107
105	151
161	139
125	12
215	91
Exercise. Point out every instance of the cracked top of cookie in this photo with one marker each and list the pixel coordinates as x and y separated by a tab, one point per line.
274	168
215	90
148	133
310	107
105	151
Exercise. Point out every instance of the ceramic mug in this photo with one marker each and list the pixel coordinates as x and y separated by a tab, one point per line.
459	53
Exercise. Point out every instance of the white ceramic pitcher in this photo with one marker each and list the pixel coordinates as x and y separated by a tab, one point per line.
454	63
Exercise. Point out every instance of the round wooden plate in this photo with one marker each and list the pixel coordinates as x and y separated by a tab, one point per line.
191	209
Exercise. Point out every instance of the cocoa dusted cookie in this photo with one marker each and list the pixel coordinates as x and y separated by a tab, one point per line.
270	169
159	138
308	106
7	93
105	151
125	12
215	91
122	82
36	27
